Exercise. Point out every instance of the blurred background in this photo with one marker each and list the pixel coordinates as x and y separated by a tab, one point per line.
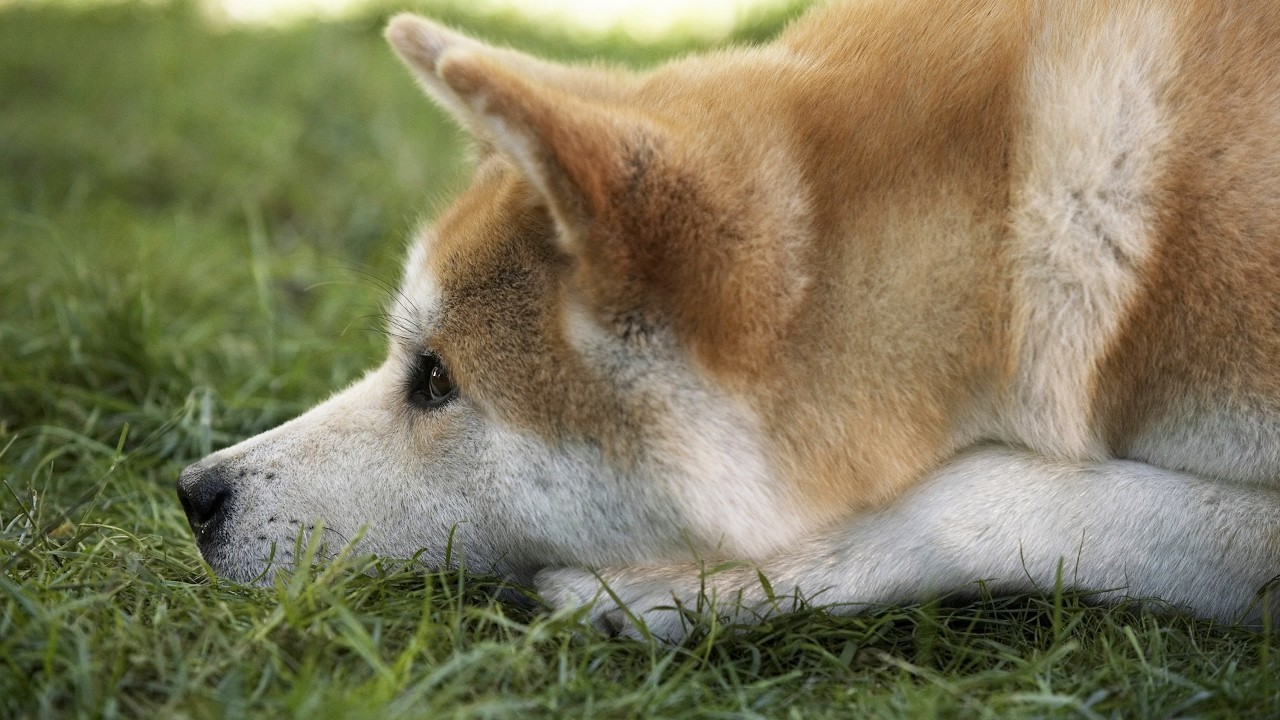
640	20
203	207
204	203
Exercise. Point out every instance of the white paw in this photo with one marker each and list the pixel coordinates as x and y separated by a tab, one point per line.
664	603
624	603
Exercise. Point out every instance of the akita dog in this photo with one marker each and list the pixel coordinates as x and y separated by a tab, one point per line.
921	295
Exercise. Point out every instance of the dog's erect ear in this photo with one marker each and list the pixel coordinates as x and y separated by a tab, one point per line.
422	44
570	148
698	235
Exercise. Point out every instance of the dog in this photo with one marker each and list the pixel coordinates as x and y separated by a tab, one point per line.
922	297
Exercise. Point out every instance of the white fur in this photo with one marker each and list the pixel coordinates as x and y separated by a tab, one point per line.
1216	442
1044	506
360	466
402	480
416	305
735	506
1089	159
1011	519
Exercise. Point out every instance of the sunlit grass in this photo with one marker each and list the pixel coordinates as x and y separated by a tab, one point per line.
641	20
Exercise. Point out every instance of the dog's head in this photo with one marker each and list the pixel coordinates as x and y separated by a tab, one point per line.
583	346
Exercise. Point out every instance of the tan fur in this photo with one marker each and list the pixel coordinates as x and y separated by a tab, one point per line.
730	214
1203	340
1016	257
910	331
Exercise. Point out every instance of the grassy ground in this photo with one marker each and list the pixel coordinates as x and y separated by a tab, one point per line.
195	231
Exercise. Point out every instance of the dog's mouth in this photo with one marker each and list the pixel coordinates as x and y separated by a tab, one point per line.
257	561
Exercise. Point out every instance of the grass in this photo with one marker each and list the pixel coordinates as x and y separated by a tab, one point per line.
196	230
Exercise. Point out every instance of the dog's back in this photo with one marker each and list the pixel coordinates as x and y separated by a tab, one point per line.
1049	224
921	294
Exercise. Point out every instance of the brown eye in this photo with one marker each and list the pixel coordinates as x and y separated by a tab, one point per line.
430	386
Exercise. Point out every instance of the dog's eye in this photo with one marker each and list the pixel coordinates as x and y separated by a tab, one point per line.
430	386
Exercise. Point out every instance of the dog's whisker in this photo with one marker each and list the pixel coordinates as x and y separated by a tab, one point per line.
963	295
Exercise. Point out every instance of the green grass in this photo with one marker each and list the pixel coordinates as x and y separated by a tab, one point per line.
196	230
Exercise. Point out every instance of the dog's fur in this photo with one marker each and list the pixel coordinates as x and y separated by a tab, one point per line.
925	293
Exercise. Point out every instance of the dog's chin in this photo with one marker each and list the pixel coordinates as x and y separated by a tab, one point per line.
256	558
254	566
258	564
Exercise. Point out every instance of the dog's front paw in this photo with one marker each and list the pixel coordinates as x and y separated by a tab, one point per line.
660	602
616	604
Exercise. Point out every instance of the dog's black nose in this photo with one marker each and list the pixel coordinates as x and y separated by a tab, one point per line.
203	492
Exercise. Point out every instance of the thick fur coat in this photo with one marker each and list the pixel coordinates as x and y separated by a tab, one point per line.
920	295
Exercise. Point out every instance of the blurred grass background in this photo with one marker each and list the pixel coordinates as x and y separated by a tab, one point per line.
198	226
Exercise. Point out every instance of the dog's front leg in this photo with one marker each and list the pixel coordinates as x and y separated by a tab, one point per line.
1007	517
